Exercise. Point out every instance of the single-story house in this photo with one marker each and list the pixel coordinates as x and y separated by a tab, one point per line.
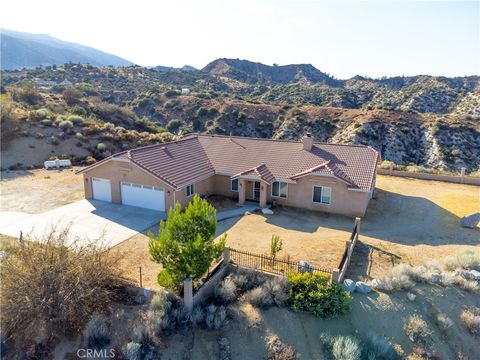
304	174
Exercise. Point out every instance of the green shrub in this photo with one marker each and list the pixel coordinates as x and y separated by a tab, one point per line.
65	124
341	347
317	294
41	114
90	160
386	164
101	147
78	110
376	348
202	112
76	119
174	125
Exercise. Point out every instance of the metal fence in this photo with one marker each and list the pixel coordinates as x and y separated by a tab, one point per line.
269	264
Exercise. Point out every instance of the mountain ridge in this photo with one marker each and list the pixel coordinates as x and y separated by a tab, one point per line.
24	50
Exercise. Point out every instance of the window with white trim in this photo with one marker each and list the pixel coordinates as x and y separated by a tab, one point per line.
234	185
280	189
322	195
190	190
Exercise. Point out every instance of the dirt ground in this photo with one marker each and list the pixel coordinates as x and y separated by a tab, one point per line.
249	328
408	221
39	190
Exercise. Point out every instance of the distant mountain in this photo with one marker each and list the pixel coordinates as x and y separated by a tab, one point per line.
170	68
23	50
253	72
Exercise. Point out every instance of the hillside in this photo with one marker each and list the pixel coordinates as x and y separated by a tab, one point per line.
107	110
23	50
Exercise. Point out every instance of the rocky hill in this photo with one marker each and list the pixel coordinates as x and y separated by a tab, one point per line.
24	50
99	111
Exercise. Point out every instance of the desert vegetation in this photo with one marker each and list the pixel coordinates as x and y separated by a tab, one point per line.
51	286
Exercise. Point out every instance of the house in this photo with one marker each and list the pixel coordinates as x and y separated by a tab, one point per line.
316	176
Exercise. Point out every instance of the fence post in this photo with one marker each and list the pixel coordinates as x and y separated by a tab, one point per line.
188	294
462	175
390	169
357	225
336	275
226	256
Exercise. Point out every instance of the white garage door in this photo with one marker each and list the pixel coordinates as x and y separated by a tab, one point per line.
144	196
102	189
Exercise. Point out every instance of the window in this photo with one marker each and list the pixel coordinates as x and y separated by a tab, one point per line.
190	190
322	195
234	185
280	189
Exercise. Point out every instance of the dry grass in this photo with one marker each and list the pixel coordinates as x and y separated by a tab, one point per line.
471	320
417	329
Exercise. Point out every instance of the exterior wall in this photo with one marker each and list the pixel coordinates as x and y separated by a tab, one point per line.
118	171
343	201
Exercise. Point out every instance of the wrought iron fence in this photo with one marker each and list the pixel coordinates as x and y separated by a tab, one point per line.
269	264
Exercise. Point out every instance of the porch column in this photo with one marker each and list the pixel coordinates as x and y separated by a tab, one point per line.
242	187
263	195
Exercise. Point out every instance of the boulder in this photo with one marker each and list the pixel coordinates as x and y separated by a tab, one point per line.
470	221
267	211
363	287
349	285
377	284
471	275
304	266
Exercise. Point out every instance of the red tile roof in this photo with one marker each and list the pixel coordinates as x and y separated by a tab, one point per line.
196	157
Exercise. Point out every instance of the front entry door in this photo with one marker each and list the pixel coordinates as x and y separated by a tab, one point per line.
256	190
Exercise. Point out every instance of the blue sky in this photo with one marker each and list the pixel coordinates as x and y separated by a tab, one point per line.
377	38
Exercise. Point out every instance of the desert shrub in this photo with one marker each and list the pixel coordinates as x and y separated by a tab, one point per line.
276	245
417	329
174	125
78	110
9	118
96	332
443	321
278	350
47	284
71	95
470	319
101	147
76	120
377	348
227	290
317	294
65	124
145	124
202	112
466	259
271	292
215	316
54	140
132	351
39	135
341	347
185	243
197	316
171	93
41	114
166	313
90	160
28	95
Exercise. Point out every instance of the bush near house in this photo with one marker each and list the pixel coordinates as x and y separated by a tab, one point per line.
317	294
185	243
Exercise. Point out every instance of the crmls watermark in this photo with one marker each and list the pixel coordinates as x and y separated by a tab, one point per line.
96	354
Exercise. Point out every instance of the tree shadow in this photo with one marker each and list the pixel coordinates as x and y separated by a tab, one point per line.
7	175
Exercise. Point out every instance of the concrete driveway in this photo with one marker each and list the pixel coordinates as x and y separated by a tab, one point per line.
88	219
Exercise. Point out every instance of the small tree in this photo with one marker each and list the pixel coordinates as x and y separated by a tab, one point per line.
71	95
185	243
276	245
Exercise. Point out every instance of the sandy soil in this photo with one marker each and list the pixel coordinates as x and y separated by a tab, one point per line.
408	221
40	190
249	327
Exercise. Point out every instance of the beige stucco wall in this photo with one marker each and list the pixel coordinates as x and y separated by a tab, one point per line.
344	201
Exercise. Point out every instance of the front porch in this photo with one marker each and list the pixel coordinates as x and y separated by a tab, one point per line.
252	191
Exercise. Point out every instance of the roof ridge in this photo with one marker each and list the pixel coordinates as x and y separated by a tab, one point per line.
278	140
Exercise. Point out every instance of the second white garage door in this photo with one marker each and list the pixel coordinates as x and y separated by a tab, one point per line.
144	196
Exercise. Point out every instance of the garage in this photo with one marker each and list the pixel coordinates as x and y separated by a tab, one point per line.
102	189
145	196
